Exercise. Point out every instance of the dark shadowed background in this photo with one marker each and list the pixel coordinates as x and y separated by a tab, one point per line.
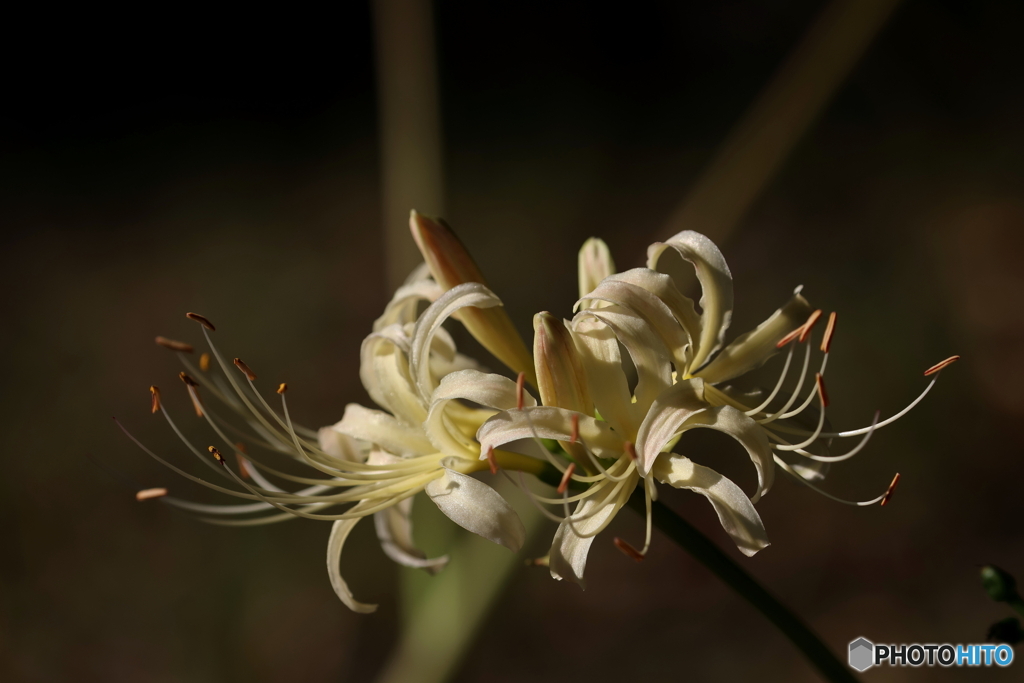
157	163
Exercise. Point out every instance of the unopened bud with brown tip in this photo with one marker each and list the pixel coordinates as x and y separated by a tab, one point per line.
451	265
594	264
561	379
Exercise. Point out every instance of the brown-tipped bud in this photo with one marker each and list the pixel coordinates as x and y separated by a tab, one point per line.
246	370
563	486
628	550
593	265
204	362
174	345
938	366
561	379
809	325
148	494
890	490
202	320
451	265
821	389
216	455
830	329
282	388
154	399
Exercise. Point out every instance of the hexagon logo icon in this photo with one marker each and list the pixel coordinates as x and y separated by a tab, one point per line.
862	654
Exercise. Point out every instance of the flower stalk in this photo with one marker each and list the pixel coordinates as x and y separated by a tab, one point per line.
722	566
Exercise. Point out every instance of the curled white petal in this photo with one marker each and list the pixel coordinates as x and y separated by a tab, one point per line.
599	354
403	305
715	281
467	294
571	545
492	391
751	436
341	446
477	507
340	532
394	531
735	511
665	419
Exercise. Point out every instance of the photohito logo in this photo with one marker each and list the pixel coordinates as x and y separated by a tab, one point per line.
864	654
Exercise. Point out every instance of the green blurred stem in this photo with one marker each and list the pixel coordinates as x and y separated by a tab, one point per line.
708	554
1017	604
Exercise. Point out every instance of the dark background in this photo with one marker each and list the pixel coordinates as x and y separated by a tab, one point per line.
155	163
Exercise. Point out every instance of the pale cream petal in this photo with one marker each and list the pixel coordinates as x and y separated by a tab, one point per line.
598	350
749	351
384	370
751	436
547	422
384	430
665	420
716	283
657	314
649	355
340	532
394	530
440	367
664	287
735	511
404	305
471	294
595	264
569	549
341	446
561	379
477	507
492	391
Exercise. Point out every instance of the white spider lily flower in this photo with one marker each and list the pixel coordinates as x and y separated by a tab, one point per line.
622	418
372	461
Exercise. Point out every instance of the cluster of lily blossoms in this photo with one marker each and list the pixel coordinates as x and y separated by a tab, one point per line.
619	383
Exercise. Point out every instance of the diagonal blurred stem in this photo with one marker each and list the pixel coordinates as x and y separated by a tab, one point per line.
786	108
722	566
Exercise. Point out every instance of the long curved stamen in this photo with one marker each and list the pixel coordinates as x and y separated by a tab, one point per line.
835	458
810	394
823	403
796	391
778	385
860	503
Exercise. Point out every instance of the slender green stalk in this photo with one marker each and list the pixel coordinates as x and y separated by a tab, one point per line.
708	554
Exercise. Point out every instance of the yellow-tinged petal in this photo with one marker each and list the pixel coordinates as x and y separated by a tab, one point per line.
451	266
595	264
665	419
561	379
546	422
735	511
749	351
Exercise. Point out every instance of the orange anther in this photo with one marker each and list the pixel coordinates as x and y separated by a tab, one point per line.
174	345
283	388
146	494
938	366
155	403
809	325
890	490
204	362
628	550
202	320
821	389
246	370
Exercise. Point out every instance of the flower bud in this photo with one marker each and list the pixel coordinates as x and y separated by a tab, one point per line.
595	264
561	379
451	265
